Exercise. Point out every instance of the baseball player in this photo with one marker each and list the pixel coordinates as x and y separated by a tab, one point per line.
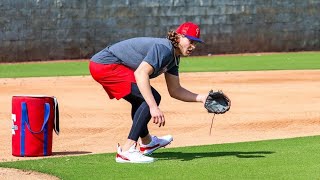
124	70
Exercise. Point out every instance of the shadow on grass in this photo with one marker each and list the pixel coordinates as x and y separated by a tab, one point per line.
190	156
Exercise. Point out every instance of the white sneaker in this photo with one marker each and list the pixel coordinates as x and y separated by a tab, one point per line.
132	156
155	144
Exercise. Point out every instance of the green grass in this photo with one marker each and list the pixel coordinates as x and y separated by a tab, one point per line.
296	158
44	69
283	61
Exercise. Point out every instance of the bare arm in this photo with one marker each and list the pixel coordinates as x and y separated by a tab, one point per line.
142	78
178	92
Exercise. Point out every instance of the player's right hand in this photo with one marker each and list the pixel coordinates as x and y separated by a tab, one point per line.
157	116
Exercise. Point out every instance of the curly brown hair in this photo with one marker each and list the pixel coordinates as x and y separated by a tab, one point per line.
173	37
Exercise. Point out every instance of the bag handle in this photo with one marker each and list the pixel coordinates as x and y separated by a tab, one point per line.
26	120
56	116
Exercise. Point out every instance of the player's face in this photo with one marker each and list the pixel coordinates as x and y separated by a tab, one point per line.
186	46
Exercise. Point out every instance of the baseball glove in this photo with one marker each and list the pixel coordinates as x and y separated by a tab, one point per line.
217	102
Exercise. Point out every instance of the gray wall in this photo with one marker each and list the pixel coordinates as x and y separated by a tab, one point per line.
72	29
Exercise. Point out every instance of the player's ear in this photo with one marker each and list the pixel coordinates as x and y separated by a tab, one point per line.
178	39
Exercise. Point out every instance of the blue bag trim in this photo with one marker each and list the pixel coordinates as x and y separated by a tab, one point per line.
24	116
45	131
44	128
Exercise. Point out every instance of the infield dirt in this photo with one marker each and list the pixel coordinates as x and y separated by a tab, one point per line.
265	105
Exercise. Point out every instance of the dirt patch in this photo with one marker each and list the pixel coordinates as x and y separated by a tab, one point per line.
265	105
6	174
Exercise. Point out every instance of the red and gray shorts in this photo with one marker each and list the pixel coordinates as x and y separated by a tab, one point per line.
116	79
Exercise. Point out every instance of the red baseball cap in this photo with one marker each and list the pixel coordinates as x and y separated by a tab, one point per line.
190	30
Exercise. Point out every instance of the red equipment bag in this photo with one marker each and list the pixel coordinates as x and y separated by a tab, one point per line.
34	118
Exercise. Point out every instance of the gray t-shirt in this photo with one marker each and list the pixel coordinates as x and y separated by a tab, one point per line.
158	52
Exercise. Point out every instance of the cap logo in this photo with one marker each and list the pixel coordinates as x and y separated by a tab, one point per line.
197	32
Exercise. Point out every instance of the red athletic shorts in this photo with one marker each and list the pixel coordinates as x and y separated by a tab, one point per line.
116	79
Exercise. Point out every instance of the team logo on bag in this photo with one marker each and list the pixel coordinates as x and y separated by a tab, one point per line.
14	127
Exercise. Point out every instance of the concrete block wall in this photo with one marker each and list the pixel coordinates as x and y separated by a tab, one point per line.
73	29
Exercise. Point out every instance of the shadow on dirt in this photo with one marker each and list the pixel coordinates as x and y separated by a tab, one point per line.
70	153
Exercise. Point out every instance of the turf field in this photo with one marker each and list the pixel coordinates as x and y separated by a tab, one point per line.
282	61
296	158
